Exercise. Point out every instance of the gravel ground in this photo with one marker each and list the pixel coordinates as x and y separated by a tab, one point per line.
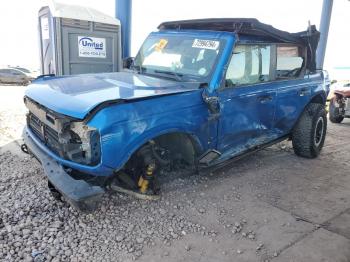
34	224
269	206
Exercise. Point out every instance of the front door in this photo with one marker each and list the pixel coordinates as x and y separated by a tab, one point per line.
248	100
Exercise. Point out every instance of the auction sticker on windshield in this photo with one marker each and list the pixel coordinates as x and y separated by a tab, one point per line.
161	45
206	44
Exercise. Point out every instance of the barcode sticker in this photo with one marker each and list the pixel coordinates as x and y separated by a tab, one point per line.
206	44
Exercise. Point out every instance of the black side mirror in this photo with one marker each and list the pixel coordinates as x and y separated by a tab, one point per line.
128	62
212	102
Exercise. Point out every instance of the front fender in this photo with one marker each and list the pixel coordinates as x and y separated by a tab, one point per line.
126	127
123	152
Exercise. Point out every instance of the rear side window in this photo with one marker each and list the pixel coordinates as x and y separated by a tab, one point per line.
290	61
16	72
250	64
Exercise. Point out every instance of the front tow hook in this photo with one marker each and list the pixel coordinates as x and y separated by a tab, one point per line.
24	149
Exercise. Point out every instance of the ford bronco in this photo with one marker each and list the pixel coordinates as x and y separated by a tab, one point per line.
198	93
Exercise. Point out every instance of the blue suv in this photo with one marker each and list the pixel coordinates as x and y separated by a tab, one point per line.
199	92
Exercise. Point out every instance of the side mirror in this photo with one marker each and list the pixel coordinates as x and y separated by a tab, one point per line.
128	62
212	102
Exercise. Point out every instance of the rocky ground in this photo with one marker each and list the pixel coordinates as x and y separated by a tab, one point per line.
271	206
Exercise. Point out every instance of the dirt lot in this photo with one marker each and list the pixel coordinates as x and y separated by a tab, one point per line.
271	206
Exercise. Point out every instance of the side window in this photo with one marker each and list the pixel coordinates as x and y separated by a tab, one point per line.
250	64
15	72
6	71
290	61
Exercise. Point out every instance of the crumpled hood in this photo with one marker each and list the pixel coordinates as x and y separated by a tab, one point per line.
77	95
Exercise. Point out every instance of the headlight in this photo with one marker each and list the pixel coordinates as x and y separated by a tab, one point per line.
82	144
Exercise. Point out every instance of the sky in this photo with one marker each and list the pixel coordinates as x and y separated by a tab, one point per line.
19	33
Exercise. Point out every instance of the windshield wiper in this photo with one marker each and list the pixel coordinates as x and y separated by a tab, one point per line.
178	76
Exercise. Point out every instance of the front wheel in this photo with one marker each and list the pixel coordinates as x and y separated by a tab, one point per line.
310	132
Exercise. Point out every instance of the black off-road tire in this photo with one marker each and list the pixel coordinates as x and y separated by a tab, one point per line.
310	132
334	115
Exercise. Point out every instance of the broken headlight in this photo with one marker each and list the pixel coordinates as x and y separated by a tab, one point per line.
82	144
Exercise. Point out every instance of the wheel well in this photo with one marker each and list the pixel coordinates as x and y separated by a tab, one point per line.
318	99
179	146
338	95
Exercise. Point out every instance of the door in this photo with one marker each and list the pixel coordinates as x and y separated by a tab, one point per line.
17	76
248	100
6	76
293	89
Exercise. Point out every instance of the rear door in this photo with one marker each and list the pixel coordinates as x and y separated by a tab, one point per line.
248	100
6	76
17	76
293	89
2	75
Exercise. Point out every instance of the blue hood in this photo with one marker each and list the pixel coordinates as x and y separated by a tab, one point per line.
77	95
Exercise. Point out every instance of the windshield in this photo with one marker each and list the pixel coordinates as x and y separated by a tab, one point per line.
180	57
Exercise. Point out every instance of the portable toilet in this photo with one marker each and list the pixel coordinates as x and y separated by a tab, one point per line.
77	40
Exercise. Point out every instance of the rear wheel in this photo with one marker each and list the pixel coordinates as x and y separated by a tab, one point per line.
310	132
335	115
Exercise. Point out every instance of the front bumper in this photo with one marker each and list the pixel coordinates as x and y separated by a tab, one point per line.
79	193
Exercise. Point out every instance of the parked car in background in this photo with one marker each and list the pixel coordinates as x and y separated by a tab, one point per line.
16	75
339	106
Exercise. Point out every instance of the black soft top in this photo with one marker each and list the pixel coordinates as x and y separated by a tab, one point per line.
252	27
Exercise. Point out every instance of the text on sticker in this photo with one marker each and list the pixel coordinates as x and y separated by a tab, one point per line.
206	44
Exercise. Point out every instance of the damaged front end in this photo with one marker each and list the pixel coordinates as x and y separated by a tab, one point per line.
69	139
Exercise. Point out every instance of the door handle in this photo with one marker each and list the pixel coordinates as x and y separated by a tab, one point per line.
264	99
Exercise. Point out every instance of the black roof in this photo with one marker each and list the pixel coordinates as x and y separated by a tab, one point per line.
241	26
252	26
